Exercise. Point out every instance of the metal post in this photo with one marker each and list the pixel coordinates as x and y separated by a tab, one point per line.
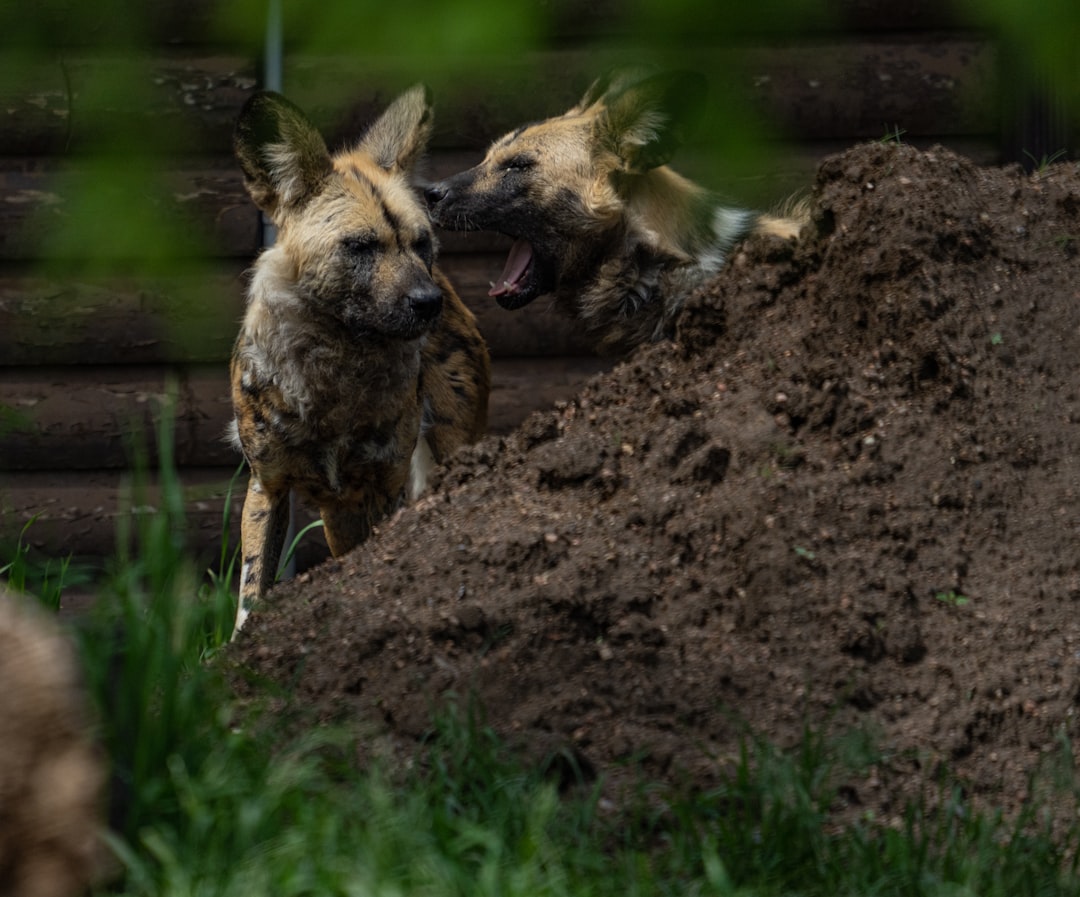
273	77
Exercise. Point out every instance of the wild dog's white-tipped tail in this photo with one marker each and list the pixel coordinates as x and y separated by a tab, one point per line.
788	222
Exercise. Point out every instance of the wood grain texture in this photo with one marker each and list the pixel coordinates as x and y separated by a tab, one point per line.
187	318
76	512
67	468
174	101
187	101
203	201
85	418
934	84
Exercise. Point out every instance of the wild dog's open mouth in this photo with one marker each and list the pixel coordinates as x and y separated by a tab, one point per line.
514	287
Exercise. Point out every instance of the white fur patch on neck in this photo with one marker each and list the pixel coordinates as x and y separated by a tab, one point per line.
729	226
420	468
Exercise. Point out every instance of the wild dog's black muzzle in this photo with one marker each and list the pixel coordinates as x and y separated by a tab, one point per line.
449	202
435	193
425	300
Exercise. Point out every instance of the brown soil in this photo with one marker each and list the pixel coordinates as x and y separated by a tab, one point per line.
846	498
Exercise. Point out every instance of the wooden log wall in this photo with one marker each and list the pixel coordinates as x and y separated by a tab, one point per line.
88	353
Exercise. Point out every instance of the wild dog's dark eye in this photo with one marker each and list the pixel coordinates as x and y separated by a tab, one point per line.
361	244
518	163
424	248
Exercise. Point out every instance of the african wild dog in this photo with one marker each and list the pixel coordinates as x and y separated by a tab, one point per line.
357	367
598	219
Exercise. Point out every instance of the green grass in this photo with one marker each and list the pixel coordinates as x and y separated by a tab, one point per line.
893	135
205	805
1041	165
44	578
952	597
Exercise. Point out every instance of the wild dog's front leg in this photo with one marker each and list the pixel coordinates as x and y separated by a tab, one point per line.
345	526
262	534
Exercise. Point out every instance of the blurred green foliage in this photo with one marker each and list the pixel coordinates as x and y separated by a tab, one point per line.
431	33
1043	34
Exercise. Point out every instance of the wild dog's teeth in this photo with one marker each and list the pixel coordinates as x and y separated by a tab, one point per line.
491	283
508	285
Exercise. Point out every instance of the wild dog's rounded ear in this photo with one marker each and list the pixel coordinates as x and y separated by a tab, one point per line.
282	154
399	136
646	121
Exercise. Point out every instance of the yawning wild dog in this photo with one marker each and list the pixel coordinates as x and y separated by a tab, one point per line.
357	367
598	219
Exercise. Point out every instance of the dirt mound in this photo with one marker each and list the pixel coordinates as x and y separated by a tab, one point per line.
847	497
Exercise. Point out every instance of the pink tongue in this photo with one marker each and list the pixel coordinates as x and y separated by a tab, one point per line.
516	264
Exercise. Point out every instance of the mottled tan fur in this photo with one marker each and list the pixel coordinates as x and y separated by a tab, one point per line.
600	223
357	367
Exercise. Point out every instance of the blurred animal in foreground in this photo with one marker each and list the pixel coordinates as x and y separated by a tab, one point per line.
52	776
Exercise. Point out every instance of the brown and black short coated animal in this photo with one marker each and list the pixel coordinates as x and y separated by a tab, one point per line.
357	367
599	221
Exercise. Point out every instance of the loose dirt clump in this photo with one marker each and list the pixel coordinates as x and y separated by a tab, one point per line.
845	498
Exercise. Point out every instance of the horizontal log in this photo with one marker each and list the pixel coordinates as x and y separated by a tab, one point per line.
76	512
211	215
194	22
838	89
49	210
888	15
862	90
652	24
91	417
94	417
177	102
59	210
44	211
520	386
187	318
74	25
85	319
166	101
781	170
